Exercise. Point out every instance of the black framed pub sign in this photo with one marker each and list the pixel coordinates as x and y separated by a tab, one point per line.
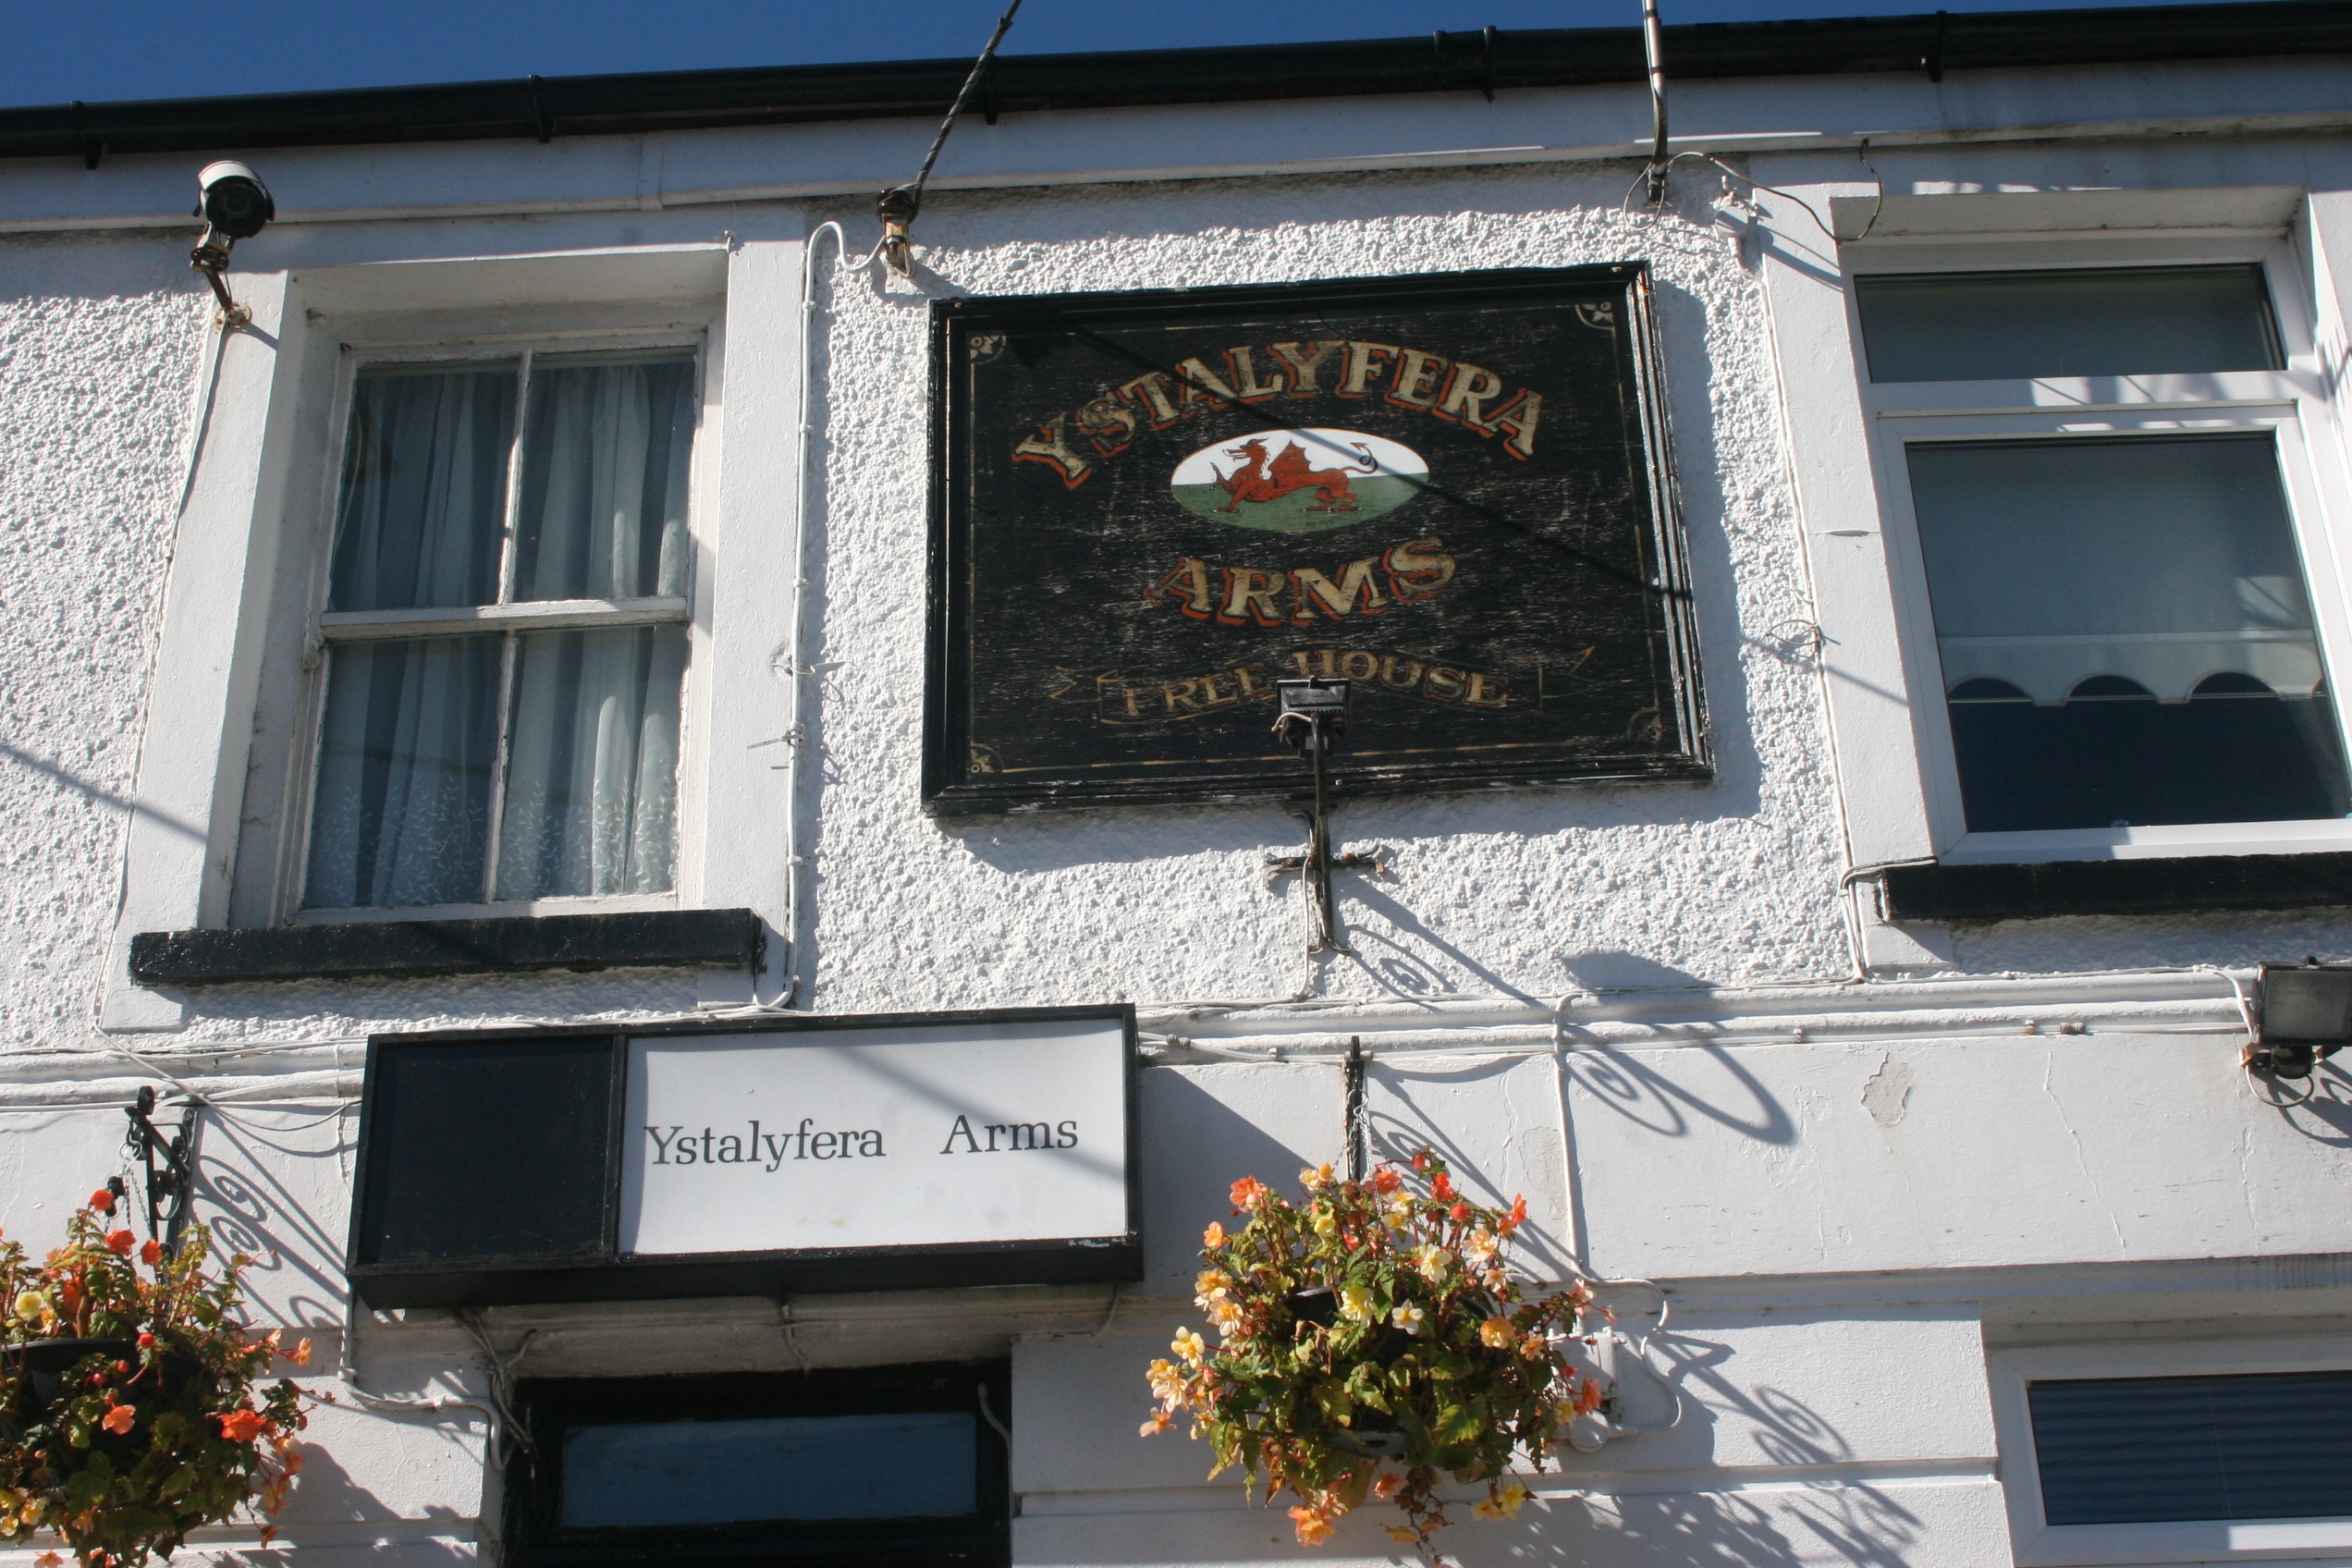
745	1157
1454	491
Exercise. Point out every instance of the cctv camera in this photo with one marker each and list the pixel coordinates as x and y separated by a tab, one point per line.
232	199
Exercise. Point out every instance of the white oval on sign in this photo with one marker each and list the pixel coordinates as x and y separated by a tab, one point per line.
1299	481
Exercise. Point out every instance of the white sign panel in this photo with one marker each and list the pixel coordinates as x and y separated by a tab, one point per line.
924	1134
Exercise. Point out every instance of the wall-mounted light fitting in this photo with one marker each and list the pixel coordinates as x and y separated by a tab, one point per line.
2303	1015
1310	716
235	206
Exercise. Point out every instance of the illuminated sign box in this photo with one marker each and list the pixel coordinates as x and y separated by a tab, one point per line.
793	1153
1454	491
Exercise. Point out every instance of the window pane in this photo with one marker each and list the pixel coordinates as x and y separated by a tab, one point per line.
592	784
604	477
2121	1450
424	488
2011	325
2124	633
919	1465
402	813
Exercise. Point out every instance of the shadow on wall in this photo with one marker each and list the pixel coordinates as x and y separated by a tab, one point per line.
2325	1115
295	1275
1198	1142
1709	1083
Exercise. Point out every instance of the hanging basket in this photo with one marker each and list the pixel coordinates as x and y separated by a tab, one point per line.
1373	1346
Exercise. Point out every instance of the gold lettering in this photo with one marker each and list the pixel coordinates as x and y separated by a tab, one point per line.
1186	587
1417	373
1151	390
1178	695
1362	364
1212	696
1389	673
1419	568
1243	363
1050	446
1466	391
1202	387
1249	595
1241	673
1445	683
1487	691
1518	416
1305	361
1312	591
1109	424
1357	665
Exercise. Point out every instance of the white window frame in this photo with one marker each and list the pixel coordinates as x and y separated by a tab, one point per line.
203	838
1888	728
2038	1544
325	630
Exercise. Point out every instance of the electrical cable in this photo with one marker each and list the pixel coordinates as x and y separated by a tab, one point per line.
899	206
1818	221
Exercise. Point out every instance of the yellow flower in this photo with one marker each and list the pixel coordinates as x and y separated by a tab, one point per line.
1318	1177
1355	1304
1481	1247
1498	1332
1156	1424
1214	1236
32	1304
1326	1222
1189	1345
1166	1382
1504	1502
1399	1213
1226	1315
1409	1317
1433	1261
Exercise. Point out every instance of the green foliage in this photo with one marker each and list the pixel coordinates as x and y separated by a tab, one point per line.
1422	1343
138	1449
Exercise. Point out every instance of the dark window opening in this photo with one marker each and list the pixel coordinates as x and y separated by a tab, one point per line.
902	1466
2135	1451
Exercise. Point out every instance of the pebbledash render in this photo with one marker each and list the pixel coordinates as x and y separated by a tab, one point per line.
756	767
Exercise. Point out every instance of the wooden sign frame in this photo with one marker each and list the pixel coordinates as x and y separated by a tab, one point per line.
1455	490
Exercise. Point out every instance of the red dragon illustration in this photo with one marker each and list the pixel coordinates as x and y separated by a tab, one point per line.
1259	480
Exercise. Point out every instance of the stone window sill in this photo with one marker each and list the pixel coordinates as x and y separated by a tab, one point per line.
2182	885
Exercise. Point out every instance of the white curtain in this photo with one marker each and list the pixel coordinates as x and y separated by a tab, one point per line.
592	775
2165	561
424	488
604	479
402	814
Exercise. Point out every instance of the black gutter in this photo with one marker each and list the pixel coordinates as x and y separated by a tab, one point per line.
541	107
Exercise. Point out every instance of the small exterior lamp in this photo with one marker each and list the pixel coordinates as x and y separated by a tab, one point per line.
2304	1013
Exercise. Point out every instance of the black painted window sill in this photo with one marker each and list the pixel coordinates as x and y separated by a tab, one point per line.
411	949
2187	885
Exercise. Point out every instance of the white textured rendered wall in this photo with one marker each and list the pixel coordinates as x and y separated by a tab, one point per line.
1528	893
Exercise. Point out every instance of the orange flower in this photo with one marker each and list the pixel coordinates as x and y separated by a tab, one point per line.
119	1243
119	1420
1313	1528
1588	1398
300	1355
1156	1424
1421	1160
1386	1181
1460	1212
1517	1217
241	1425
103	1201
1214	1236
1497	1332
1441	1187
151	1252
1246	1191
1388	1485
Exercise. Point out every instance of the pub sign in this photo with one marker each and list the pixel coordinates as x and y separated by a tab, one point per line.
1454	491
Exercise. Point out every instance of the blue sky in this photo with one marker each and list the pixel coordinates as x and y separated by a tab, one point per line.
97	50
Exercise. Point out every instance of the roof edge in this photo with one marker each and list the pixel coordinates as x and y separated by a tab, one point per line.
1486	62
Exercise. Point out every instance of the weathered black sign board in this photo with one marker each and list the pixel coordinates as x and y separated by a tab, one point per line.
1454	491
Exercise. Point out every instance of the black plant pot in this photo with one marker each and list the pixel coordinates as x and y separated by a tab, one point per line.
1369	1436
41	1366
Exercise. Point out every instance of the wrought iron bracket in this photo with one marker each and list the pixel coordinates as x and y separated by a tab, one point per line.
170	1188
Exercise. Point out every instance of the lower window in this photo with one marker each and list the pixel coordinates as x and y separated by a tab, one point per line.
903	1466
2125	633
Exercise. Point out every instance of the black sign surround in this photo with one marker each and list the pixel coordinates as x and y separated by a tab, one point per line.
1456	491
